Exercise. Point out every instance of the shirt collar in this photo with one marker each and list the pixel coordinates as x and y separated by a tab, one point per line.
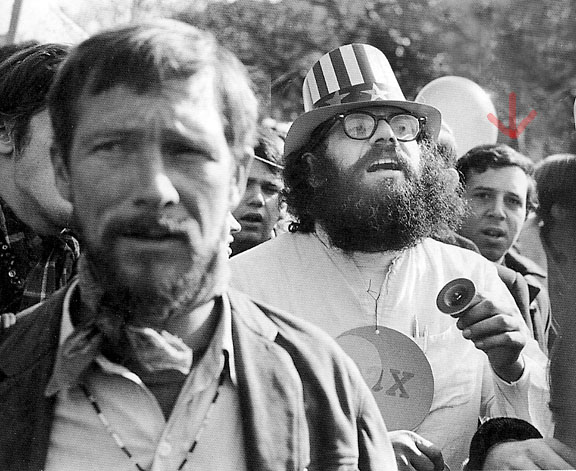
227	343
66	327
221	340
220	352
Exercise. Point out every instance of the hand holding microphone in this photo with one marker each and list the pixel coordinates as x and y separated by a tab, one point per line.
497	330
457	296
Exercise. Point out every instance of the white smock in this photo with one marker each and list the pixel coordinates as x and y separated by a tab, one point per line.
303	275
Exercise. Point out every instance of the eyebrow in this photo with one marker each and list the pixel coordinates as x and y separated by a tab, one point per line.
495	190
132	132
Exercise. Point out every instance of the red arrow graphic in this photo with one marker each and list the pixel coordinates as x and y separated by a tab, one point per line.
512	130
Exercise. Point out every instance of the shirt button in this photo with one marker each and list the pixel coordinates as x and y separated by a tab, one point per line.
164	449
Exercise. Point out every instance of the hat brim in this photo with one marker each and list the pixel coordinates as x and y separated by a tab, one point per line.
301	130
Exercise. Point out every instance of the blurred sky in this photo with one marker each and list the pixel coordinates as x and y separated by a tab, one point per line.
44	20
70	21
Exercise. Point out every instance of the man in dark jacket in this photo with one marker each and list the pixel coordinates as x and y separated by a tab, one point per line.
147	361
500	190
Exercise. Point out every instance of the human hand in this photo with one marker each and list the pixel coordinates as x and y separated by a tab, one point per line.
498	331
414	452
538	453
7	320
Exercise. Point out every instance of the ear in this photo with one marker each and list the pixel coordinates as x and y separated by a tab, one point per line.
6	143
313	163
240	177
61	173
282	209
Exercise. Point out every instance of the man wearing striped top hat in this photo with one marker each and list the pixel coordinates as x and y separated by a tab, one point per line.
369	192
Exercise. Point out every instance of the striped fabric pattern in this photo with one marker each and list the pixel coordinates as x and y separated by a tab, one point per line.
346	74
53	270
31	267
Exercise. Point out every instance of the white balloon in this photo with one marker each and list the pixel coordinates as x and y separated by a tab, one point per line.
464	106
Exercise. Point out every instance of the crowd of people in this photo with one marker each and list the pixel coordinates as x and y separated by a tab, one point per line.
184	285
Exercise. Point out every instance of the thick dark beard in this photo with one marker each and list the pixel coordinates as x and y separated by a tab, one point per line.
392	216
103	284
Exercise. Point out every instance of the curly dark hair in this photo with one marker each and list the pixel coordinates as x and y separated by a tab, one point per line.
299	193
495	431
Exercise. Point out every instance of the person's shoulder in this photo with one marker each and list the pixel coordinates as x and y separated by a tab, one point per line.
524	265
455	239
457	262
298	332
280	244
273	260
34	324
279	317
450	250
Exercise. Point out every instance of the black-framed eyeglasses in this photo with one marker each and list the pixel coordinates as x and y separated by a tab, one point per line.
362	125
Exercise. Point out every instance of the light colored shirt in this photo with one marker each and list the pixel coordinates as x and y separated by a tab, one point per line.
79	440
306	277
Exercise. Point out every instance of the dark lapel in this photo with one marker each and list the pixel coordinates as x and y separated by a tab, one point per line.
271	393
27	354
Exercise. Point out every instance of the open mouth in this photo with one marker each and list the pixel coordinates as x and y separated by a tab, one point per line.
384	164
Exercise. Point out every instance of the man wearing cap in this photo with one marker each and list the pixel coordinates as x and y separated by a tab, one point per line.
369	191
260	210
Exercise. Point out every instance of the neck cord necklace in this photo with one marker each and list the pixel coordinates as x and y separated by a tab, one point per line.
376	295
376	299
119	441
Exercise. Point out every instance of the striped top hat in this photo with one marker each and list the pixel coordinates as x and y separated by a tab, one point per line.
349	77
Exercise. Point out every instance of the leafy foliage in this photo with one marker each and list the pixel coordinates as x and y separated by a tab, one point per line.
514	46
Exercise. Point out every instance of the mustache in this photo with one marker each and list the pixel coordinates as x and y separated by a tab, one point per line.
149	226
383	151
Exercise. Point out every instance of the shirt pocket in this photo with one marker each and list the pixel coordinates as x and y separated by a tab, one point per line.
455	367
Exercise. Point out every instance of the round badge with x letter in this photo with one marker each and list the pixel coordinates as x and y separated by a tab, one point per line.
396	370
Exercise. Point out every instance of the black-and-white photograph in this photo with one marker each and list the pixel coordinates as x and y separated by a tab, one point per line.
287	235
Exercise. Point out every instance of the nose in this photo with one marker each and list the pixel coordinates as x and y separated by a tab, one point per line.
234	224
156	189
254	196
497	209
383	134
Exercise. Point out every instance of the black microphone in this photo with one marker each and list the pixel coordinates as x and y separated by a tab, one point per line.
456	296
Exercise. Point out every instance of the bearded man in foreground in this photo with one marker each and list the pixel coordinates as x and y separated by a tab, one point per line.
147	360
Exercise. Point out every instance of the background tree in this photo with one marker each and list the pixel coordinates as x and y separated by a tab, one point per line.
514	46
504	46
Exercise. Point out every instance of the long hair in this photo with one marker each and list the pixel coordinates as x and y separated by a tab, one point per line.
298	192
301	195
